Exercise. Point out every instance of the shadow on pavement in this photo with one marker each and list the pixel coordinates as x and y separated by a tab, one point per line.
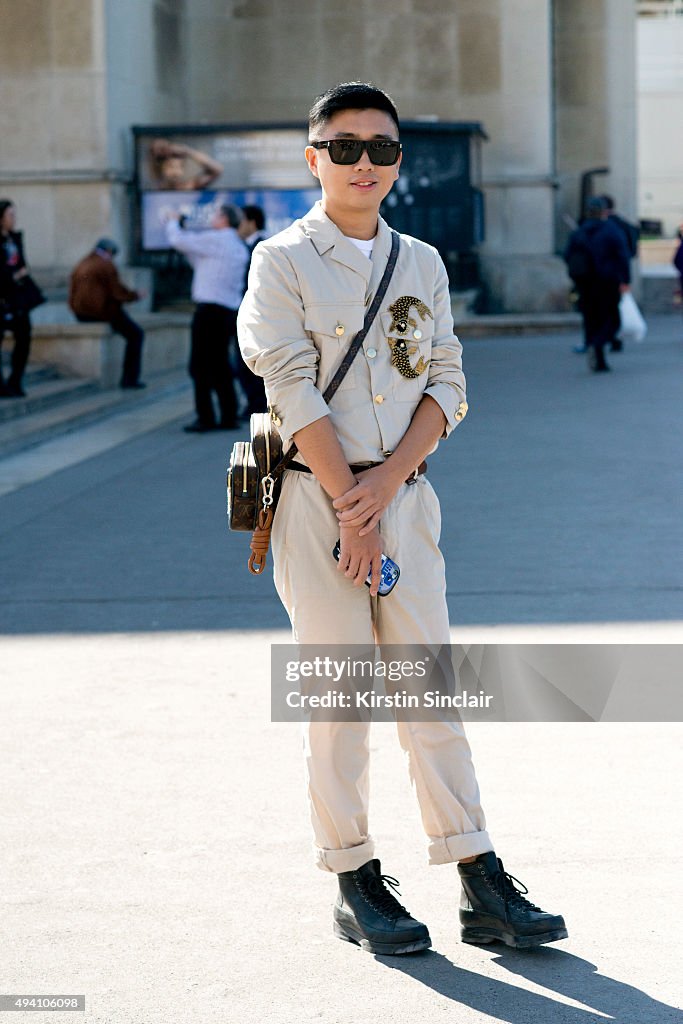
553	969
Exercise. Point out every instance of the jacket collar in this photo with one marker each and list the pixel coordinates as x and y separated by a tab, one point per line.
327	238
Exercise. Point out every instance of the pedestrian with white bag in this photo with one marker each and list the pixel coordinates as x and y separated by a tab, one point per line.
633	325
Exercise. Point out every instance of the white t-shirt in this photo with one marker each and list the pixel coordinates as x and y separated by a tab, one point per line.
364	244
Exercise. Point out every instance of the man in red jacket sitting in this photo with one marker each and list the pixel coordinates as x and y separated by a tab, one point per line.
96	295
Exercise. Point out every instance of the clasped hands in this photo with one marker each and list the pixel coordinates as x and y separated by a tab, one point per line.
359	511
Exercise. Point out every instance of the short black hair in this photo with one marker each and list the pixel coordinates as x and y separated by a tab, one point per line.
609	202
256	214
349	96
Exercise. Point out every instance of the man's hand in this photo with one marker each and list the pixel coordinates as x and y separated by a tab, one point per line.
357	554
21	273
362	506
623	288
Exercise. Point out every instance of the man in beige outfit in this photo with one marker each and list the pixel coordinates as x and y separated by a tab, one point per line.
359	468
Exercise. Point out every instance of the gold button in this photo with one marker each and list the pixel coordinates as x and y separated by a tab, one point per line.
339	330
379	399
417	335
462	411
371	353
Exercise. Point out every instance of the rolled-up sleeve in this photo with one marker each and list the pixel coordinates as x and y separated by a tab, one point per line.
445	379
275	345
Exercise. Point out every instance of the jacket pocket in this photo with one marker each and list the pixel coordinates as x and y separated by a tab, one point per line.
332	327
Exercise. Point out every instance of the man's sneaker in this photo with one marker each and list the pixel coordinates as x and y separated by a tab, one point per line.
492	908
367	913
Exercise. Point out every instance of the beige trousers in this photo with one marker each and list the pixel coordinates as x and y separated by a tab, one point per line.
325	607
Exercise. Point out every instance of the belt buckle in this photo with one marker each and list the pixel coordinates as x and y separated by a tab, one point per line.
412	479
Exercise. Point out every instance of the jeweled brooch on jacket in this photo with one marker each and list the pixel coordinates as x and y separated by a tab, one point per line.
400	322
400	313
399	358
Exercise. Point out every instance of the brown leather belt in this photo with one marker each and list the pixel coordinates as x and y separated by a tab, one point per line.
358	468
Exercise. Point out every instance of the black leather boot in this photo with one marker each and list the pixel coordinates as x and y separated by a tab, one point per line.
367	913
493	908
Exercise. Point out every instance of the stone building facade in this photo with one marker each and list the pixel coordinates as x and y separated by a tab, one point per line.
660	100
552	81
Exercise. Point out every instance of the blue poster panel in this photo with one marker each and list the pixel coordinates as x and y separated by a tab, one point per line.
281	207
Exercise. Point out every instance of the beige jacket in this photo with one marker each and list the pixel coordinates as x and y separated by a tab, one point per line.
308	290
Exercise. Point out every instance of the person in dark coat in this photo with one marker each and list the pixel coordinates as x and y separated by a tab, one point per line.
630	231
631	234
97	295
12	317
598	262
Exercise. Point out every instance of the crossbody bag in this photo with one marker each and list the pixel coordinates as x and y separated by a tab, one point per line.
254	478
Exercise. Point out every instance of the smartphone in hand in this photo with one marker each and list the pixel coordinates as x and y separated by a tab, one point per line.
388	577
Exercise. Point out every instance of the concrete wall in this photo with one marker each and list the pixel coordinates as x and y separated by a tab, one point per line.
480	60
147	62
52	122
519	271
551	80
595	95
74	76
660	101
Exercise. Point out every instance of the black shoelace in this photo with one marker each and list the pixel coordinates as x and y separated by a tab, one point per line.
505	886
381	899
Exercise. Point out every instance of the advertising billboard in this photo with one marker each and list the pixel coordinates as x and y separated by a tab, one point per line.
192	171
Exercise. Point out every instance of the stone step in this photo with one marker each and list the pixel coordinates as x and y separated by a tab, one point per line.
44	389
77	403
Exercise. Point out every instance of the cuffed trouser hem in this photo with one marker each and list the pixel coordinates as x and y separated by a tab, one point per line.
449	848
345	860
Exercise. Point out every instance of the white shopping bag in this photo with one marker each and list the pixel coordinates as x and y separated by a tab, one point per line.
633	326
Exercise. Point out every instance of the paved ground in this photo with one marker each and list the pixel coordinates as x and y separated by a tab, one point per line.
154	834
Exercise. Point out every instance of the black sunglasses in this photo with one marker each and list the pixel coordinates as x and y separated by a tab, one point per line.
382	152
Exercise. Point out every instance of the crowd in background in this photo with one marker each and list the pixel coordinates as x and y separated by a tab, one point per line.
598	257
220	257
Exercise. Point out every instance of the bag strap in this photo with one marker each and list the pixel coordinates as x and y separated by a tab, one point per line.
355	345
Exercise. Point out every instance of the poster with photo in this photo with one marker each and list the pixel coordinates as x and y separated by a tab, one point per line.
280	208
191	172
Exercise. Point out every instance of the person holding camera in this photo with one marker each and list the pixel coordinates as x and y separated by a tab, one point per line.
219	259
